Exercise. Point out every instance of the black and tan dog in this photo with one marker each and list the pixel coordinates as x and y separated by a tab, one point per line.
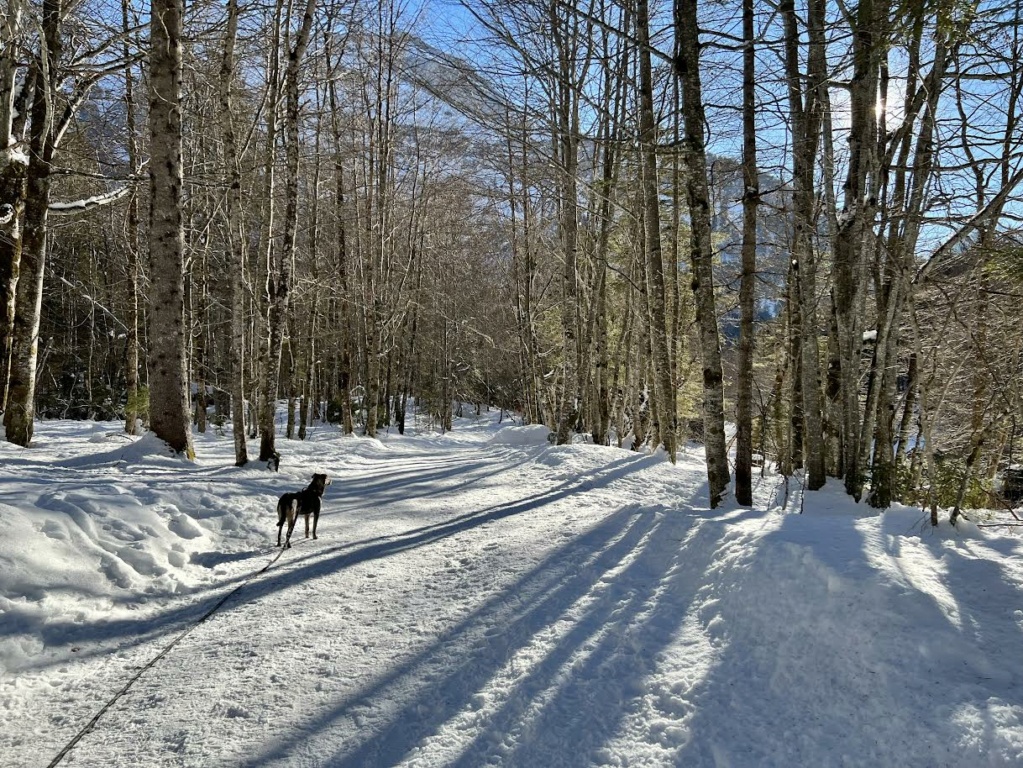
306	503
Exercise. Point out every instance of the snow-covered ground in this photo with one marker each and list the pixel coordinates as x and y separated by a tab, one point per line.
483	598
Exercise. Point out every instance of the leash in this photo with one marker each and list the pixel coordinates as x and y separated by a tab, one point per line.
149	665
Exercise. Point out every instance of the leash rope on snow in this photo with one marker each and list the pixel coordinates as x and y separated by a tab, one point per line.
152	662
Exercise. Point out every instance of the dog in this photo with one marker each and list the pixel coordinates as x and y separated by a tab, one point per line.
306	502
274	462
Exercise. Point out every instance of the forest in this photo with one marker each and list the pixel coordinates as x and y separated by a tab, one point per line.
789	231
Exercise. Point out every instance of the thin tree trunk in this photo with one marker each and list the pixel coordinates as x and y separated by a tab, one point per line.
131	363
663	407
280	305
806	127
13	169
233	207
701	246
20	414
566	147
750	202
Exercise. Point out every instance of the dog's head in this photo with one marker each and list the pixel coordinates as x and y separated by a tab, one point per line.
319	483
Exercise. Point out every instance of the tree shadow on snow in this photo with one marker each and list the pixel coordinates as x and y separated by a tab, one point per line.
840	664
295	569
567	705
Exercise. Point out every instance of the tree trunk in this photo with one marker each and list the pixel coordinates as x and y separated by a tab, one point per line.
747	305
280	305
168	388
806	119
233	205
20	414
663	406
701	246
566	144
131	363
14	109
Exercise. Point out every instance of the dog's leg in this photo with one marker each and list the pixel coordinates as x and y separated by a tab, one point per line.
292	517
316	519
280	523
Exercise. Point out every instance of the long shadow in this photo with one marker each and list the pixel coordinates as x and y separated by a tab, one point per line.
464	659
213	558
173	620
609	653
397	487
839	665
465	656
304	568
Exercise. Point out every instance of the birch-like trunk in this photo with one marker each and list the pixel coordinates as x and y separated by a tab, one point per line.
19	416
13	168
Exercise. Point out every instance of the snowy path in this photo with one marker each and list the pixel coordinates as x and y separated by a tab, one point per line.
355	650
478	603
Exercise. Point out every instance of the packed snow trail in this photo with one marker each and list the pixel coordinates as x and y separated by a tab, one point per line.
272	669
481	598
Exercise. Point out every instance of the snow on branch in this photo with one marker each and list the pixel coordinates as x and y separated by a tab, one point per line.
90	202
6	213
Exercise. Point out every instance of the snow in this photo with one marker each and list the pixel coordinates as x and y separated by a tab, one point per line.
89	202
482	597
14	153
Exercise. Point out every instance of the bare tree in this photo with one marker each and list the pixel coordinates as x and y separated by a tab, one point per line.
700	246
168	384
747	294
233	213
665	420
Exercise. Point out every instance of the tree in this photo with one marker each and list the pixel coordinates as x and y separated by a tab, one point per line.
13	168
233	214
747	295
665	420
701	252
45	130
168	384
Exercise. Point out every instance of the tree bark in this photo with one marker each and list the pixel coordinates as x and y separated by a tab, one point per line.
701	246
279	307
663	407
168	387
233	213
13	170
747	297
19	417
806	116
131	363
566	144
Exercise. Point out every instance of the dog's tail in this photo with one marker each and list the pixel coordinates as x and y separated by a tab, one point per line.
286	507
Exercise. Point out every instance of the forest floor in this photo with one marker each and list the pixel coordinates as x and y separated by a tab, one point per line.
484	598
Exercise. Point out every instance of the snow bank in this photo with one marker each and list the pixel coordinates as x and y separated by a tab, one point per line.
530	434
470	603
